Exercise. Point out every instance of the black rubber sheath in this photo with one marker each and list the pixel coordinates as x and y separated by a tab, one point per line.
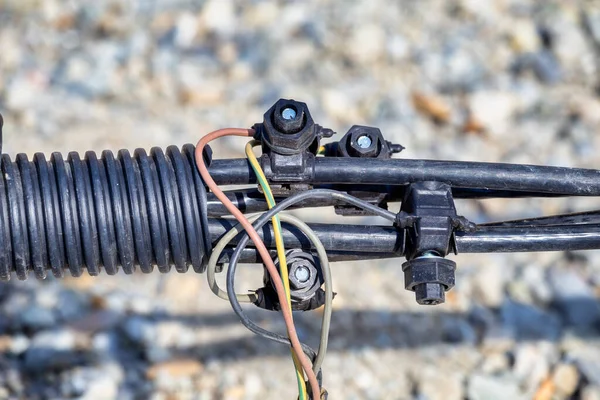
103	213
505	239
252	200
335	237
546	180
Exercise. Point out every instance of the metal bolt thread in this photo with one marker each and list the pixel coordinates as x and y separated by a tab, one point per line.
288	113
364	142
302	273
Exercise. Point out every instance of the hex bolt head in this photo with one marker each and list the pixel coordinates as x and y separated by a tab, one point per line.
430	294
304	274
288	128
289	116
361	141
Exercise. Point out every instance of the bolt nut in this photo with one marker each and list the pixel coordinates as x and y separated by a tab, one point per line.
288	132
354	146
430	294
365	142
302	265
427	277
289	125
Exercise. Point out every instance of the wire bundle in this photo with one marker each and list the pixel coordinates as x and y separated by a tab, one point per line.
283	268
299	359
300	351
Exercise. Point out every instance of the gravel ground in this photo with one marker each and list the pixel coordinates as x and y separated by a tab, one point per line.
509	81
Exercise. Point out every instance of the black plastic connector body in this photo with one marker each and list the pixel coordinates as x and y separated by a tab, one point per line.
433	206
366	142
288	128
430	238
290	141
362	142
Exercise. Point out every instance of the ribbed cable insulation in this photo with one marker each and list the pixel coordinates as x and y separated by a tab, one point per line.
102	212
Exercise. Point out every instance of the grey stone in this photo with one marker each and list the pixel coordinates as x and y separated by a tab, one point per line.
37	318
93	383
483	387
530	322
141	304
457	330
107	345
55	350
587	360
118	302
19	344
71	304
495	362
574	298
253	385
435	384
590	392
565	378
533	276
531	365
140	330
489	282
59	339
14	381
546	67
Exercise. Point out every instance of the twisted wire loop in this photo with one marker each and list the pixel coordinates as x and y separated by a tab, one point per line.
103	212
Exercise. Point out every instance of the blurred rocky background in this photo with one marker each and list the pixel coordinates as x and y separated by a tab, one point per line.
502	80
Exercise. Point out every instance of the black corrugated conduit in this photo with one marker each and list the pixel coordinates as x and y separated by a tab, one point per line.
103	212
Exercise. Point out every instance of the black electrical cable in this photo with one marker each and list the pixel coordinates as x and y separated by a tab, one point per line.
260	222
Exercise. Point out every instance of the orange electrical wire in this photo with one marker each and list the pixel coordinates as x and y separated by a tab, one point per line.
260	246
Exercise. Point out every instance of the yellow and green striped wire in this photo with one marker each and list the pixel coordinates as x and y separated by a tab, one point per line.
283	268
